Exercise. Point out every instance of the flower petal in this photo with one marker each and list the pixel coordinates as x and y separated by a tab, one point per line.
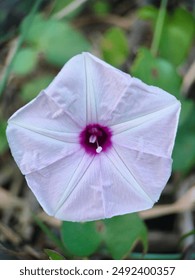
68	89
151	171
119	97
38	136
91	96
121	192
153	134
70	189
107	84
50	183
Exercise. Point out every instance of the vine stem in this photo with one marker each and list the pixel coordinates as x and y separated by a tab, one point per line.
18	45
69	8
158	28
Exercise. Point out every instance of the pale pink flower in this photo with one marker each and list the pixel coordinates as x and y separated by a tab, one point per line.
96	142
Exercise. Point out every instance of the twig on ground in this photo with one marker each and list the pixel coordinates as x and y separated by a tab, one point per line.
9	234
8	201
122	22
186	202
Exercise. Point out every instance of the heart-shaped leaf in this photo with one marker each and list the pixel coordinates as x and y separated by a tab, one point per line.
184	150
156	71
56	39
121	233
81	239
25	61
177	36
114	46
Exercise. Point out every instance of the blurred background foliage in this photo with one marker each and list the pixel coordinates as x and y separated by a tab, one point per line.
151	40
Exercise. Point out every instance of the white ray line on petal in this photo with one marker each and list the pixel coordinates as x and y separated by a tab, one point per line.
121	96
101	176
134	148
91	104
122	127
80	171
64	137
126	173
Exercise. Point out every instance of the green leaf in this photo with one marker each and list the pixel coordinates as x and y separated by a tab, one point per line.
184	150
53	255
156	71
25	61
177	36
187	108
148	13
114	46
3	139
35	30
81	239
101	8
32	88
56	39
60	42
121	233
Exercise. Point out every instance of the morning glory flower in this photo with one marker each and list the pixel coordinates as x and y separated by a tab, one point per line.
96	142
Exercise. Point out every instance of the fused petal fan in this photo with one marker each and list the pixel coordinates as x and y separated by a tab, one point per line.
96	142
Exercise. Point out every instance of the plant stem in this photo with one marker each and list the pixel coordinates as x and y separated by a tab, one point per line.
19	44
153	256
69	8
158	28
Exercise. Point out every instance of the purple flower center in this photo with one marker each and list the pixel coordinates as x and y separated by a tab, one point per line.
95	138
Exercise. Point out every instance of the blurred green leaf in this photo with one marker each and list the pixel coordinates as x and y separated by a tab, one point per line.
35	30
148	13
101	8
122	233
81	239
3	139
119	234
31	89
187	108
177	36
57	40
156	71
114	46
53	255
184	150
25	61
60	42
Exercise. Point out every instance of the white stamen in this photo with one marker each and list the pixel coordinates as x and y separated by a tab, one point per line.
92	138
99	149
